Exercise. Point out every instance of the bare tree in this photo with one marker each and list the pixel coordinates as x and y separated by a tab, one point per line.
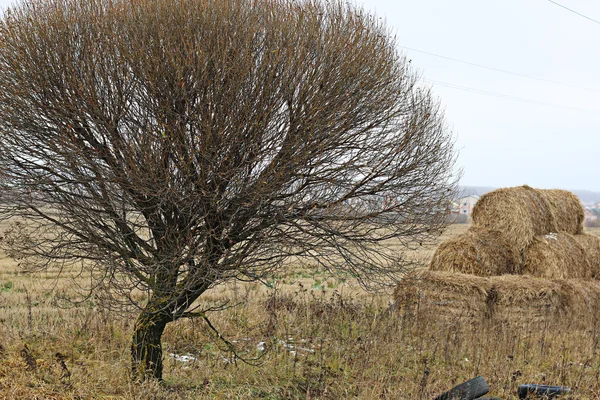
168	146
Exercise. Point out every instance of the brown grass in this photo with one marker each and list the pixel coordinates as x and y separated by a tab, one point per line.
479	251
363	348
557	256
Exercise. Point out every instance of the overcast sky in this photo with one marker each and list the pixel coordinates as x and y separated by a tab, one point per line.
549	141
504	141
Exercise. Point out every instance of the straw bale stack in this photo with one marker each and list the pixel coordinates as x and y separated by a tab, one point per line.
452	296
478	251
591	246
556	256
523	213
520	230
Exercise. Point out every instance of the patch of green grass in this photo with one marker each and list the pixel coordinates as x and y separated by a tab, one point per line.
7	287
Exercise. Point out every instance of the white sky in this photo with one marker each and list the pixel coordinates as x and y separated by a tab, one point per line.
505	142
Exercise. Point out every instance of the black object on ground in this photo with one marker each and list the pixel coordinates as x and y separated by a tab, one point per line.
545	391
469	390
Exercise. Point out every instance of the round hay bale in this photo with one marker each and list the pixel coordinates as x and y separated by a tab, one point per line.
567	210
591	246
556	256
478	251
521	213
525	299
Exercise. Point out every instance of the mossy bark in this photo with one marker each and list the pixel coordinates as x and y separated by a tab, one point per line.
146	346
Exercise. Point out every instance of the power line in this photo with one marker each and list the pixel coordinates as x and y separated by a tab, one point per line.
506	96
575	12
498	69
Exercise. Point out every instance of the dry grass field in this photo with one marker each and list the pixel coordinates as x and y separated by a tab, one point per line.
316	336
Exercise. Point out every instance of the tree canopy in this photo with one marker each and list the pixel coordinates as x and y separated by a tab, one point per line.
171	145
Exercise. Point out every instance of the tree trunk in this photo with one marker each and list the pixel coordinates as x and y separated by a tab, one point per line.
146	346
